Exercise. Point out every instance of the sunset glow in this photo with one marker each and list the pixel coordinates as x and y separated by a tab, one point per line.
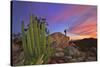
80	20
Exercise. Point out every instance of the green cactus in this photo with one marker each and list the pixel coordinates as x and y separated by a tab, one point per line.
36	44
24	44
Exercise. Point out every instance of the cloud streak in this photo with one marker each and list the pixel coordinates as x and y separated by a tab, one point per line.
77	19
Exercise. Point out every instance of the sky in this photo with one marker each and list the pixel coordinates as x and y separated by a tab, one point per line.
80	21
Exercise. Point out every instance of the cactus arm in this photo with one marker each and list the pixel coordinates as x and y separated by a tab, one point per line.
29	43
24	44
35	27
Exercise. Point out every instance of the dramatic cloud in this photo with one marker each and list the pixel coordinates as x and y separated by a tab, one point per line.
80	20
86	24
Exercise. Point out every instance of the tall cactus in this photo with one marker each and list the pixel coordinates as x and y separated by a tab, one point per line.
36	44
24	44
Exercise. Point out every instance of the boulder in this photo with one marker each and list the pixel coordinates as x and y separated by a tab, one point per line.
68	57
60	61
59	54
59	50
59	40
91	59
73	60
80	59
72	51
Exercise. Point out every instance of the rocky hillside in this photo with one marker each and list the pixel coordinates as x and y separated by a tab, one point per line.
66	51
59	40
73	51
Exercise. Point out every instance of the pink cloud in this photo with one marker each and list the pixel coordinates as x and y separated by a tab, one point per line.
89	27
65	13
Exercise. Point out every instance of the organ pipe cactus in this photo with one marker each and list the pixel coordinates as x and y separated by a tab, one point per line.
36	45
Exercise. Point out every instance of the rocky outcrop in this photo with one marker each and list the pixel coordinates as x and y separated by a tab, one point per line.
72	54
17	54
65	51
59	40
72	50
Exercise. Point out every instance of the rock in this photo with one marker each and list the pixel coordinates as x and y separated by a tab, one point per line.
72	51
15	47
68	57
59	40
91	59
21	56
73	60
82	54
60	61
94	49
59	49
59	54
18	59
52	62
76	60
80	59
17	54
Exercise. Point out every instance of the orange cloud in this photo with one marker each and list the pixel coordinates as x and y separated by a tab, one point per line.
88	28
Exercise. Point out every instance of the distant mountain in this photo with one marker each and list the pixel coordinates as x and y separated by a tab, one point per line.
59	39
86	43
